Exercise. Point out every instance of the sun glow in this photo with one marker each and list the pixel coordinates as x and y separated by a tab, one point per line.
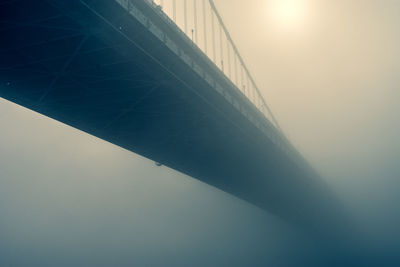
289	14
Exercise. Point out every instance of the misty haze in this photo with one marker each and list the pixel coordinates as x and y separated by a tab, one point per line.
199	133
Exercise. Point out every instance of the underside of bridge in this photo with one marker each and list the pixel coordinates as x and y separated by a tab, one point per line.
91	65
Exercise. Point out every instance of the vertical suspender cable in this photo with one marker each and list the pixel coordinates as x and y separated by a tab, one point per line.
185	15
174	10
236	74
241	79
229	58
248	87
258	101
221	48
254	93
213	36
205	26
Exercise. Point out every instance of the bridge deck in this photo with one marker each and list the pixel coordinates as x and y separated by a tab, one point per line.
121	73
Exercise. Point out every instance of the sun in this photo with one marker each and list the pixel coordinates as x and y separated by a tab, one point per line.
287	13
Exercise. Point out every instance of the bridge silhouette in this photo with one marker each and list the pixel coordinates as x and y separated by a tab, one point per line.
164	80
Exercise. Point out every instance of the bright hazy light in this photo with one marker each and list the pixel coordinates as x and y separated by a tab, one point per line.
287	13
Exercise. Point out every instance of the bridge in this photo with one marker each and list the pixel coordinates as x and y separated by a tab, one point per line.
164	80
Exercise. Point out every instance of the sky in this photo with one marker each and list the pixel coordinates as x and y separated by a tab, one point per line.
331	77
329	71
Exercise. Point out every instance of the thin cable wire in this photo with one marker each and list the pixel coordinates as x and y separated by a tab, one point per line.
205	26
185	15
229	59
221	48
236	74
213	35
241	79
174	10
248	87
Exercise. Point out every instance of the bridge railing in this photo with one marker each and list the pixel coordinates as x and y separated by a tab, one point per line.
201	22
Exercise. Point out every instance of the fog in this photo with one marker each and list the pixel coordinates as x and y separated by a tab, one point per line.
332	80
70	199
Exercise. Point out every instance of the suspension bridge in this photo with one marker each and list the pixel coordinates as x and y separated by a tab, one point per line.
163	79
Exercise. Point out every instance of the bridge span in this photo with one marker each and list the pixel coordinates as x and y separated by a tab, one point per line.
123	71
